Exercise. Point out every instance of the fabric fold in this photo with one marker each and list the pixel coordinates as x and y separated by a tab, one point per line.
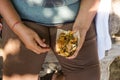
102	28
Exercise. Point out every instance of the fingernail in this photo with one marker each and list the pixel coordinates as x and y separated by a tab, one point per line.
43	40
44	45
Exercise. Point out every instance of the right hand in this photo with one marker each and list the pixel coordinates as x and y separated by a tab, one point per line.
31	39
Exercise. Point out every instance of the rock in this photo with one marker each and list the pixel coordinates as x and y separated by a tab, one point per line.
108	61
115	69
114	20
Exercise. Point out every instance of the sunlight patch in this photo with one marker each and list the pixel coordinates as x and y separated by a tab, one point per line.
47	12
37	2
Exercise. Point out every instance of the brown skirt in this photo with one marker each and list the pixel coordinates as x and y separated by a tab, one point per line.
19	60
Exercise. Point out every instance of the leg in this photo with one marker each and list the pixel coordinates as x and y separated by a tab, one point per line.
19	62
86	65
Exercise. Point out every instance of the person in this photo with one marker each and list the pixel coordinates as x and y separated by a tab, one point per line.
29	32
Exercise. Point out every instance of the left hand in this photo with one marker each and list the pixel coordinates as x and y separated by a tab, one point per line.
82	31
86	14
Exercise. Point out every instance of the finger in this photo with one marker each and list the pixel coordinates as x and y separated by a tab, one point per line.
75	28
43	50
77	50
40	50
40	42
44	42
36	48
74	55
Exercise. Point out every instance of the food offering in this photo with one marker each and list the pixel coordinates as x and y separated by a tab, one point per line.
66	42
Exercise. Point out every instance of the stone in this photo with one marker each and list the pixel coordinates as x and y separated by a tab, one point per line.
114	19
115	69
108	60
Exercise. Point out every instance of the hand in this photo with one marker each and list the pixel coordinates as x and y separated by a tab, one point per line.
82	31
31	39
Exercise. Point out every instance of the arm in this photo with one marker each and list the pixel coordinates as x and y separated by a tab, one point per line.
87	12
28	36
8	13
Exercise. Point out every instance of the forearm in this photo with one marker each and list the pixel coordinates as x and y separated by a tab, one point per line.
8	12
88	9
